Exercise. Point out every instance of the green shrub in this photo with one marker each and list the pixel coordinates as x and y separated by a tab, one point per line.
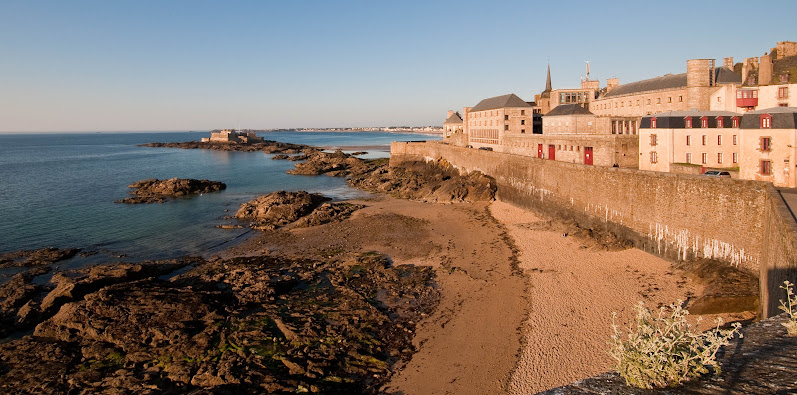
664	350
790	307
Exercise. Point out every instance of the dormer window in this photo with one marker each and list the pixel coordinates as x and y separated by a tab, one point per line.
688	122
703	122
735	122
766	121
720	122
653	123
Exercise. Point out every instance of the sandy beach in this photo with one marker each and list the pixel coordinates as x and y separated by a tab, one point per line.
523	307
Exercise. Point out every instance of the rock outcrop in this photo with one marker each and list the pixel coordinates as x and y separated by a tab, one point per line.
281	208
267	146
243	325
40	257
429	182
157	191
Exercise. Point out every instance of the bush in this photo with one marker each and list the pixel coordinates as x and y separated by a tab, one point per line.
665	350
790	307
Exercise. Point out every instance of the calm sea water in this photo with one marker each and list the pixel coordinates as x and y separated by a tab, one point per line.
58	189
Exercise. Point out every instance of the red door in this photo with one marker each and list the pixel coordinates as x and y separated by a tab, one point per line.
539	150
551	152
587	155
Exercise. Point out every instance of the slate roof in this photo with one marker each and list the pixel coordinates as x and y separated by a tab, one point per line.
671	81
782	118
504	101
568	109
694	114
454	118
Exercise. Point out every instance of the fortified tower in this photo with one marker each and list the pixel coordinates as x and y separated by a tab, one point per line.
699	80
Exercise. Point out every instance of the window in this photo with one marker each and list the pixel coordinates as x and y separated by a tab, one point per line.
648	101
719	158
704	139
680	99
522	112
719	140
688	157
637	103
669	100
783	92
506	127
735	122
765	167
506	117
653	123
704	158
688	140
522	130
720	122
765	143
653	139
658	101
654	158
735	157
734	139
703	122
766	121
522	121
688	122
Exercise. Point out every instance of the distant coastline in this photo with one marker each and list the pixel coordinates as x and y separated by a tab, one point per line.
391	129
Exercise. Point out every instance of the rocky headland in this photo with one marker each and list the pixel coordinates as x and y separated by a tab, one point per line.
158	191
267	146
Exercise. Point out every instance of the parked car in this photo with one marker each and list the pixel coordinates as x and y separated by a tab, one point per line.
468	146
486	148
717	173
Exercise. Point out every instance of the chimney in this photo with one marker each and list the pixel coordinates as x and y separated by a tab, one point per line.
612	83
450	113
728	63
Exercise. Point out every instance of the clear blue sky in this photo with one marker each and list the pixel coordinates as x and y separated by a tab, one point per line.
197	65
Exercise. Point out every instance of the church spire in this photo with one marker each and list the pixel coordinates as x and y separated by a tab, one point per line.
548	80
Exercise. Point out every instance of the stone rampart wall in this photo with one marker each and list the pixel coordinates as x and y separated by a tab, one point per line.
676	216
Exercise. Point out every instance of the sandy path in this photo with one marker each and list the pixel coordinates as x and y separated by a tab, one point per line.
470	344
573	289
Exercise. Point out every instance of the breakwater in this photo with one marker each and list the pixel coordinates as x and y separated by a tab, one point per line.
676	216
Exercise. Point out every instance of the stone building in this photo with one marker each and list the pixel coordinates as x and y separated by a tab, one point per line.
492	119
454	129
762	144
705	139
625	105
769	146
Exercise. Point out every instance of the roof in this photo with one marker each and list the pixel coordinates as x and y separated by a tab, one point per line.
774	110
454	118
671	81
782	118
694	113
504	101
568	109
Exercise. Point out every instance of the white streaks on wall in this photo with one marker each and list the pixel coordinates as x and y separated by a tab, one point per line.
688	245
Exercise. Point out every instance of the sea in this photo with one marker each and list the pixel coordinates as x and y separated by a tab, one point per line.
59	190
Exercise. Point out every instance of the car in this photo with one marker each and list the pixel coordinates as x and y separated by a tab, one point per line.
485	148
468	146
717	173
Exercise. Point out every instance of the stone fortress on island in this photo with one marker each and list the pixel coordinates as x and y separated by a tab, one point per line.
628	158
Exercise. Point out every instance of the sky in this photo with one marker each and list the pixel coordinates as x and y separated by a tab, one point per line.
199	65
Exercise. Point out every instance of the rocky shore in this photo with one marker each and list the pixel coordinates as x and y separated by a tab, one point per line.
252	324
158	191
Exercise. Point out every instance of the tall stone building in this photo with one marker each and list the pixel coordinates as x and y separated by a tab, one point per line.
492	119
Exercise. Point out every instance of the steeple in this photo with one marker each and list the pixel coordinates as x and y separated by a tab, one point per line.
548	80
